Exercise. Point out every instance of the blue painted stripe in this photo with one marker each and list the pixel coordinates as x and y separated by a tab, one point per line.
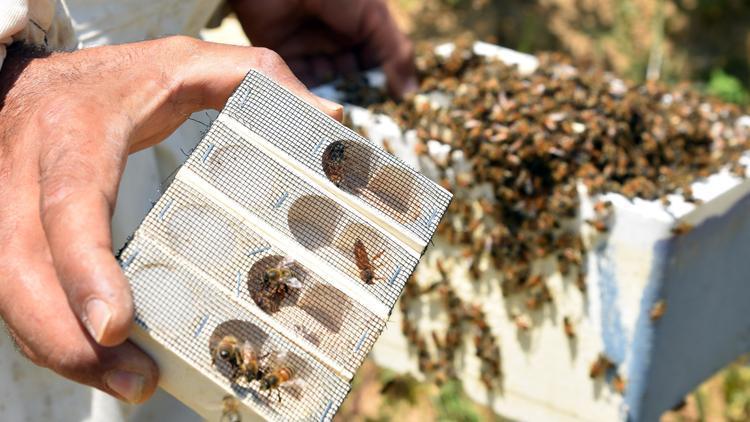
395	275
201	325
130	259
317	146
258	250
361	341
164	210
281	199
207	153
239	281
327	409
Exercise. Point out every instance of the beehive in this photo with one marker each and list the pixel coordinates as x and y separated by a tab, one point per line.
253	193
644	258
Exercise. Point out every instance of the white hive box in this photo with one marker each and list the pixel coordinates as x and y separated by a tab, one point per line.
252	194
701	275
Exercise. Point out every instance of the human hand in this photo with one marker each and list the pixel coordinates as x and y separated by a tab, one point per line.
67	124
322	39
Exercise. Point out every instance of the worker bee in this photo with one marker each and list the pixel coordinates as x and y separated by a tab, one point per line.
570	329
619	383
657	311
333	162
230	411
273	379
250	366
366	265
601	366
275	286
228	350
277	277
681	228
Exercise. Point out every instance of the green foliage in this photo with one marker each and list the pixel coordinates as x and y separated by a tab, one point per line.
453	405
737	392
727	87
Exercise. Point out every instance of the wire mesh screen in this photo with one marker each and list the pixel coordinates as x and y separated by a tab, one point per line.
184	312
291	205
368	172
231	253
254	246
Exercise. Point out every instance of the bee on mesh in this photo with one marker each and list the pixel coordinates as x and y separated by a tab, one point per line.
279	375
365	264
333	162
275	286
242	357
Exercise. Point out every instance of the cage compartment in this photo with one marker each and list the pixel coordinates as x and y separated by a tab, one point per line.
184	312
235	256
370	174
299	210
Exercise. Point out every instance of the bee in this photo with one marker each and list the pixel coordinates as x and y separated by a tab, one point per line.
570	329
277	277
681	228
523	322
601	365
598	224
230	410
657	311
228	350
366	265
275	286
250	366
619	383
273	379
333	162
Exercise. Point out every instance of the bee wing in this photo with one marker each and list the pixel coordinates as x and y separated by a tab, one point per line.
293	282
295	383
287	262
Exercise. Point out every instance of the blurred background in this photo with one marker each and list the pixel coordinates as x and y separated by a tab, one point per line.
705	43
702	42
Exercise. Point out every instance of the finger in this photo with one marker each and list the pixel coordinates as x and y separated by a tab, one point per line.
371	25
322	68
219	81
36	312
345	64
79	177
390	47
46	330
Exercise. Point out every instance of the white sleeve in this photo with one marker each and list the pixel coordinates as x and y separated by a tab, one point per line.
14	16
38	22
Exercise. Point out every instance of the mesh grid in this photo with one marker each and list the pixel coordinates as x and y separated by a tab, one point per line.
182	311
196	268
304	133
299	210
187	224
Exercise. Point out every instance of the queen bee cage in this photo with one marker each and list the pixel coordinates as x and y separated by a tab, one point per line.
276	188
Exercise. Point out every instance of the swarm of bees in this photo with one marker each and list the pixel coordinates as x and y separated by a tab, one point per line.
246	363
530	140
275	285
365	264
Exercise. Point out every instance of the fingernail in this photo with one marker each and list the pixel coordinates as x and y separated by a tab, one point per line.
96	318
330	105
128	385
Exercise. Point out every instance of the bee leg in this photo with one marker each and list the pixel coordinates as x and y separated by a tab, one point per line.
279	394
378	256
